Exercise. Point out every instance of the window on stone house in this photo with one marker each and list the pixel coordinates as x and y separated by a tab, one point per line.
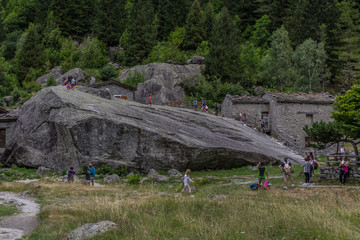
309	119
2	138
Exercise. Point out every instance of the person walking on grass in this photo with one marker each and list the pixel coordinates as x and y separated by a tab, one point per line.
344	169
92	174
71	174
187	180
262	172
287	168
307	171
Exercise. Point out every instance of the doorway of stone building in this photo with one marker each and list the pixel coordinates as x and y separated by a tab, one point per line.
2	138
265	118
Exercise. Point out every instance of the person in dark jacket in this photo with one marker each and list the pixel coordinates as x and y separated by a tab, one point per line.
71	174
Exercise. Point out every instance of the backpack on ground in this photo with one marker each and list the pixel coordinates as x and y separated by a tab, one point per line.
287	167
316	165
254	186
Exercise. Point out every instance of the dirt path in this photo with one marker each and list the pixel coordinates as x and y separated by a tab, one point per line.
18	225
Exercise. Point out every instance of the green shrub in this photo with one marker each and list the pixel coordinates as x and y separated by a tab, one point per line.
122	171
134	78
134	179
92	54
51	82
108	72
105	169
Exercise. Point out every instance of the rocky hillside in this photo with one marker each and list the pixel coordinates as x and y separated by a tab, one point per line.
59	128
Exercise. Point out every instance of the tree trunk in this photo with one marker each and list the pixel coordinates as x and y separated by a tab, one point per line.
354	144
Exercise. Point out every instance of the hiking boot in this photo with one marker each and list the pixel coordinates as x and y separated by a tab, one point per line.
293	185
285	187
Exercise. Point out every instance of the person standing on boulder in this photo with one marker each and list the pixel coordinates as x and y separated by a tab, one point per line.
150	100
187	180
92	174
195	104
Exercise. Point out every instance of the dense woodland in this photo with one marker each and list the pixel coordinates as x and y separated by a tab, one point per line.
286	45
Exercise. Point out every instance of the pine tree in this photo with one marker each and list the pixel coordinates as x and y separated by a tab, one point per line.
277	13
110	21
195	28
30	55
141	33
223	53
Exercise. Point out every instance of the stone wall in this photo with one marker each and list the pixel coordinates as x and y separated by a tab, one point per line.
291	118
9	126
332	173
117	90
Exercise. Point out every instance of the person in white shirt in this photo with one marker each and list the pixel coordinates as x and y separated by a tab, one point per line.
187	180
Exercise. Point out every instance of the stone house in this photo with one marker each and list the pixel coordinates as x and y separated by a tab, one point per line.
284	114
116	89
7	125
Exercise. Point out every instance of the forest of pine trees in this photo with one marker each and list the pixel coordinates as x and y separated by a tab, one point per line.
297	45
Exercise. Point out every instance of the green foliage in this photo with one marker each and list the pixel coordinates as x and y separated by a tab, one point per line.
92	54
134	179
69	54
324	134
134	78
51	82
7	210
105	169
108	72
122	171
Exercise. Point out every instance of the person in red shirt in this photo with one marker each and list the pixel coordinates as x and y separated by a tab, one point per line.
150	100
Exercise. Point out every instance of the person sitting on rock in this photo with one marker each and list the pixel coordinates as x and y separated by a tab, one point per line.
71	174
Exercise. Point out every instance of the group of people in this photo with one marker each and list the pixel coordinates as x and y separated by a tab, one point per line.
70	82
204	106
309	166
89	174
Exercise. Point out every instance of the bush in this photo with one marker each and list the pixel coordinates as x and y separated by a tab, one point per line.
108	72
51	82
134	179
105	169
122	171
134	78
92	54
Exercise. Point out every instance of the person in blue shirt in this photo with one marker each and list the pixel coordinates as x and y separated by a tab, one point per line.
92	174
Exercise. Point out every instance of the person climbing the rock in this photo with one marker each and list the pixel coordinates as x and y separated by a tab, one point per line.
92	174
216	109
240	115
262	126
286	168
71	174
261	176
187	180
150	100
195	104
203	104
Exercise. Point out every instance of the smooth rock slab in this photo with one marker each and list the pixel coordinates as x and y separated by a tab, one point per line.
112	179
174	173
91	230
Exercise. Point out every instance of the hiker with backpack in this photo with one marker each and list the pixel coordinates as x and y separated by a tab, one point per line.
286	168
344	169
313	165
187	180
71	173
262	172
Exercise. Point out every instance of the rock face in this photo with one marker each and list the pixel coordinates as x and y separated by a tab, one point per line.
112	179
76	73
163	81
56	73
91	230
196	60
58	128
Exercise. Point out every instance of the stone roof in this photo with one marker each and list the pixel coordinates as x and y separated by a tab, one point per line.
8	116
248	99
310	98
96	85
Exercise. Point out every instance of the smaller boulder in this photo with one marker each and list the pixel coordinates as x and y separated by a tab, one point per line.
196	60
112	179
43	170
144	180
8	99
56	73
92	80
259	91
77	73
90	230
130	174
152	173
174	173
160	178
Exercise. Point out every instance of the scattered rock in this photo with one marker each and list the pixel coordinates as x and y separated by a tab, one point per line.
252	168
90	230
115	65
112	179
259	91
8	99
174	173
92	80
170	61
217	197
56	73
144	180
160	178
130	174
198	179
196	60
161	194
152	173
210	178
43	170
3	176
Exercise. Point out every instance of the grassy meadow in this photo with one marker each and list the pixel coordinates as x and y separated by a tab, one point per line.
159	211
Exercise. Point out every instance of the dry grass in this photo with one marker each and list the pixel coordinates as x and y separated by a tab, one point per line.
294	214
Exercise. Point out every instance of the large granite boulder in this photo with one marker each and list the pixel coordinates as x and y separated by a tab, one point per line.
162	81
77	73
56	73
58	128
